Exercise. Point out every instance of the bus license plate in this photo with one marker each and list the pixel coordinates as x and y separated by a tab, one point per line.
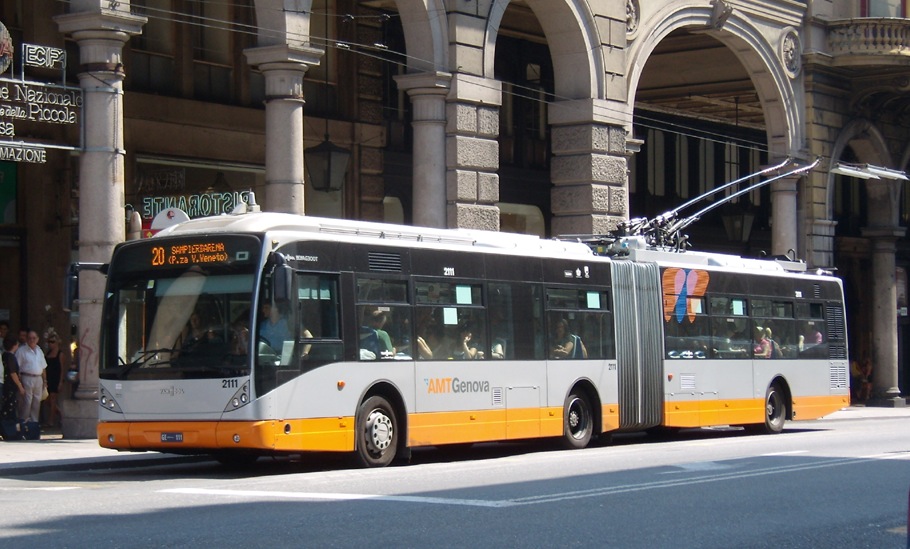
171	437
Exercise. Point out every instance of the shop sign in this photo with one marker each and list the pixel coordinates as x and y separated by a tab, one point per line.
195	205
24	100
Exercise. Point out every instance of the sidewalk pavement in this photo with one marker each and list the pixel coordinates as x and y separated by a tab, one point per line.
55	453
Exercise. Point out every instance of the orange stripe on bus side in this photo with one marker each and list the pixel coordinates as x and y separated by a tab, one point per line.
323	434
337	434
704	413
820	406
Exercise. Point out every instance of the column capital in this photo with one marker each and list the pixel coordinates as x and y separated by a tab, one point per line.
284	57
785	185
425	83
107	24
883	236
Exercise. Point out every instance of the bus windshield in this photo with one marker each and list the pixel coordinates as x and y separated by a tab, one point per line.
177	323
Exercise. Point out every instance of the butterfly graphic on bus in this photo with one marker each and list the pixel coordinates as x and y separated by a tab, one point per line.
680	286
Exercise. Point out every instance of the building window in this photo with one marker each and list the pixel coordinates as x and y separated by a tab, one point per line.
151	56
884	8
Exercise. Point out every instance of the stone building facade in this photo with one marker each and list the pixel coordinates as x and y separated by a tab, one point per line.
542	116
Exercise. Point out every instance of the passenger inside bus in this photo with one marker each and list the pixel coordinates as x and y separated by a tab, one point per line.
273	328
466	344
240	334
428	338
810	337
566	344
498	350
729	343
375	342
762	347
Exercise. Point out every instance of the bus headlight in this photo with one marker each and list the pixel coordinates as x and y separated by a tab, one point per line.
107	402
239	399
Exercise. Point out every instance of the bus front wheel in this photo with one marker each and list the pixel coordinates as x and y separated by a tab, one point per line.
578	421
377	433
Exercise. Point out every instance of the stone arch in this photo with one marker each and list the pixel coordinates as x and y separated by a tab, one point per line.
425	34
870	146
573	41
781	104
423	22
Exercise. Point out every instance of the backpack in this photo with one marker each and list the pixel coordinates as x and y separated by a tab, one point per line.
369	341
578	348
775	350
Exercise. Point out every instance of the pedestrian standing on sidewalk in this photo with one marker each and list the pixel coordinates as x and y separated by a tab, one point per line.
13	389
32	368
57	363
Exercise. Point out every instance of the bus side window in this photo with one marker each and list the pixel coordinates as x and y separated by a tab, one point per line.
501	321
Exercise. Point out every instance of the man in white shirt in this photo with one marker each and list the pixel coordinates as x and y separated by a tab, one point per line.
32	368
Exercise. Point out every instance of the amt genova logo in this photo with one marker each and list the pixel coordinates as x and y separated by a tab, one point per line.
436	385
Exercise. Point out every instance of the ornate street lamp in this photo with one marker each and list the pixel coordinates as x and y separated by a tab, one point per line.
327	165
738	225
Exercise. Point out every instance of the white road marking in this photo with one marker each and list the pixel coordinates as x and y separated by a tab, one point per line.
333	496
38	489
539	499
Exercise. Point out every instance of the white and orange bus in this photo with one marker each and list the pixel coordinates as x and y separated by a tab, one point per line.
261	333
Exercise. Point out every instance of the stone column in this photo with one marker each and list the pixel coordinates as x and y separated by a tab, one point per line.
589	170
472	153
784	234
101	35
883	294
283	67
428	93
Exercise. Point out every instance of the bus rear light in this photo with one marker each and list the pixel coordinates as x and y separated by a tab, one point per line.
236	439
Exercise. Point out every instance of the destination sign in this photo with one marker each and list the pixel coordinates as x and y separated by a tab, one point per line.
192	254
185	252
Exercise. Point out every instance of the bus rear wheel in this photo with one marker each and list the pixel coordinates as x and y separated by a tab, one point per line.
376	437
775	412
578	422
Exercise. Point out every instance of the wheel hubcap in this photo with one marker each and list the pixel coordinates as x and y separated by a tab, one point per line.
577	423
379	431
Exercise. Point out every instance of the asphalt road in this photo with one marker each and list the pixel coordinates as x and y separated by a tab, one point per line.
819	484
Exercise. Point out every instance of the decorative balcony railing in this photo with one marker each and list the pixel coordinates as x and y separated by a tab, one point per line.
887	36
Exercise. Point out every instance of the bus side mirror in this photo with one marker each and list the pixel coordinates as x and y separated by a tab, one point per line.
71	282
282	281
70	289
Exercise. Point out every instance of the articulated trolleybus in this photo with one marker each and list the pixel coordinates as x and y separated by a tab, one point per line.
261	333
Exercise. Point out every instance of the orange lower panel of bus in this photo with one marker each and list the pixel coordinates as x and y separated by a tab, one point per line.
324	434
336	434
704	413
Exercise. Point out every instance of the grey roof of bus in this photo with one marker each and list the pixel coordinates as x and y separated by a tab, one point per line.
272	222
